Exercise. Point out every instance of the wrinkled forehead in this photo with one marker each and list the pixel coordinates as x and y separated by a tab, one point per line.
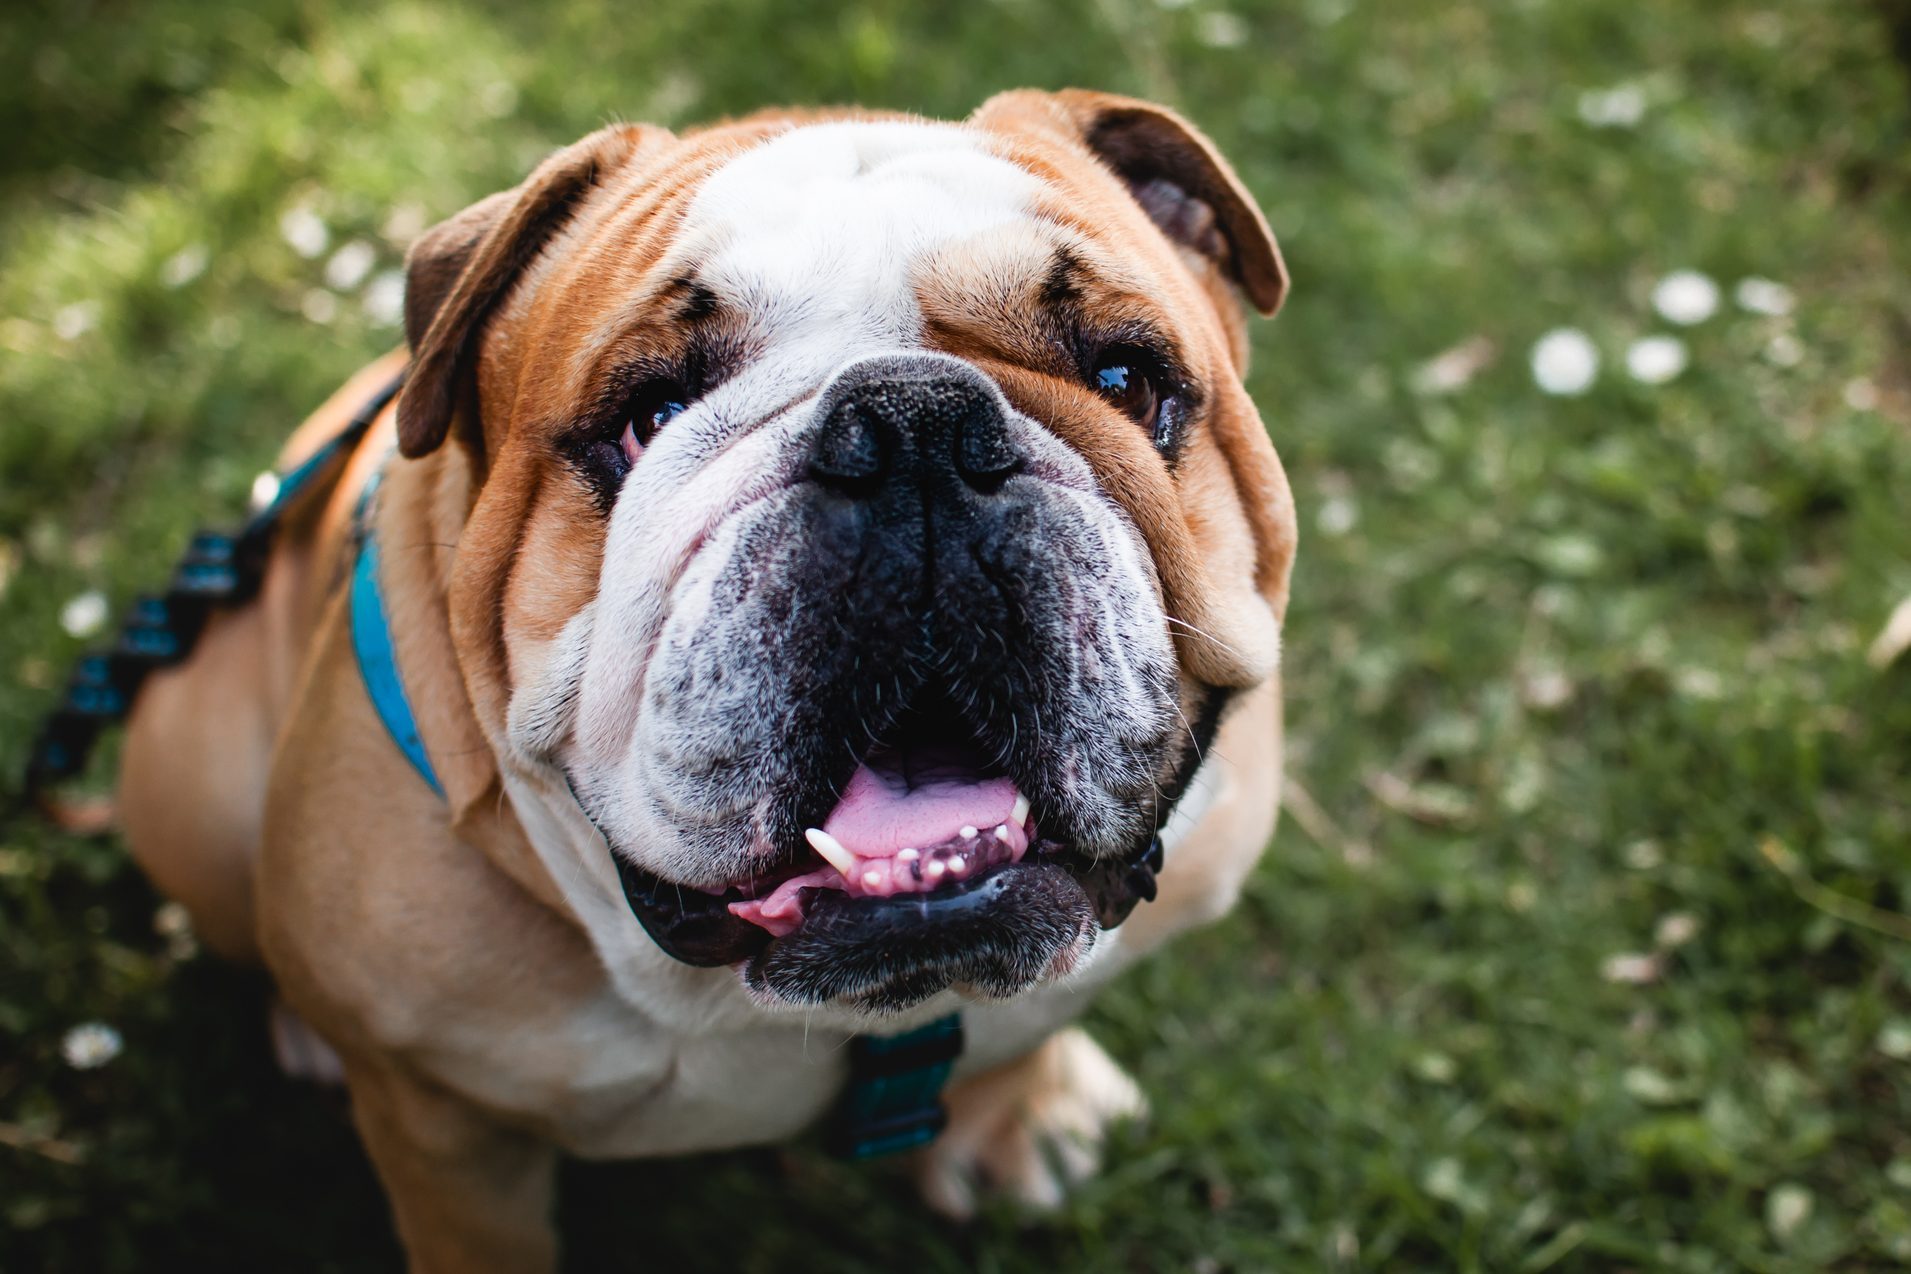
834	224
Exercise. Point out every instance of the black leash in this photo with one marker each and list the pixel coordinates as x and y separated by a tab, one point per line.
219	569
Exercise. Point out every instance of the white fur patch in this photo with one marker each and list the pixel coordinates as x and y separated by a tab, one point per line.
820	229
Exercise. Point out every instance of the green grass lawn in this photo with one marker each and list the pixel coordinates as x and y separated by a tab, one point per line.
1587	948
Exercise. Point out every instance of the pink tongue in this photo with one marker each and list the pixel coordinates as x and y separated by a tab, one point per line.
882	812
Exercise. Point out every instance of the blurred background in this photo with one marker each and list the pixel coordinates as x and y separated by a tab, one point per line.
1583	944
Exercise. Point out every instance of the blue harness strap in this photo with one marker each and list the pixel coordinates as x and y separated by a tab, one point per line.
378	662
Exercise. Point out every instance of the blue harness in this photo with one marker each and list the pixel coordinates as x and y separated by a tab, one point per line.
377	660
893	1099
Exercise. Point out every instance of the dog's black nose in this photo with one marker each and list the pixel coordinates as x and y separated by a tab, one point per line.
912	419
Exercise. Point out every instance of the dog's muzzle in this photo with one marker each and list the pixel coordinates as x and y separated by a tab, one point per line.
928	809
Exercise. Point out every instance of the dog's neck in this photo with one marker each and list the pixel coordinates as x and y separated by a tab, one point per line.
419	519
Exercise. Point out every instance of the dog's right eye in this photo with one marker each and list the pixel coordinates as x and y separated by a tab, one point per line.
606	455
654	405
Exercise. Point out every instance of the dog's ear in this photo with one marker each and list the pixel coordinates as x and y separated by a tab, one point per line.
1175	174
460	269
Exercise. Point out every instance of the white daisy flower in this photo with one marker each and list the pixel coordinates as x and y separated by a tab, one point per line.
85	615
91	1045
1565	362
1686	297
1654	360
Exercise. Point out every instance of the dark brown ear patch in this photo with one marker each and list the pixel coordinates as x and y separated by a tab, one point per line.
1175	174
1181	216
1187	189
440	255
460	270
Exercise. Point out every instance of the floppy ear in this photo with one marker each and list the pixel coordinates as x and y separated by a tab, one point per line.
460	269
1174	173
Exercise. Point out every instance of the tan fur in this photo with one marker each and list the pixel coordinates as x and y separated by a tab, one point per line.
426	939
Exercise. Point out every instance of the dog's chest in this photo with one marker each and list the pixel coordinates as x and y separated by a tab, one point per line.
609	1084
605	1081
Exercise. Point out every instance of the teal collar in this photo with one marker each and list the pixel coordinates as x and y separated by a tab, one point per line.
893	1100
378	662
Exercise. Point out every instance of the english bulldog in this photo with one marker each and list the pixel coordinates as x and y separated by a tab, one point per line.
836	575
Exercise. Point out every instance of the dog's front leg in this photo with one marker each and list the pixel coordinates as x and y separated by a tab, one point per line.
1030	1128
470	1195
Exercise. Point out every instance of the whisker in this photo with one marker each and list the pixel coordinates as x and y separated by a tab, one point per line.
1204	634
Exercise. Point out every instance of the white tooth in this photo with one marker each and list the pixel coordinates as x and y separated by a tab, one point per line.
957	866
1002	833
907	855
1020	812
968	833
872	878
933	868
832	849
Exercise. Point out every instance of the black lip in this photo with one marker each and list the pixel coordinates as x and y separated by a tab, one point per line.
998	933
689	924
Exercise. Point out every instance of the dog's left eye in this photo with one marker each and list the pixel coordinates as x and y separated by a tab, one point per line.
1128	378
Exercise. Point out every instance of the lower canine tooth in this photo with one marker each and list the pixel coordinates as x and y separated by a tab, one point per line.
832	850
1020	812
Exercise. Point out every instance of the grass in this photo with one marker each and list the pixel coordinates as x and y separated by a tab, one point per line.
1589	952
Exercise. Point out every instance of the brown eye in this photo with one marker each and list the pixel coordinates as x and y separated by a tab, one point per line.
1126	377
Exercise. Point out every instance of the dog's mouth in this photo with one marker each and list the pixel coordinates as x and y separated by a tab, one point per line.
932	869
917	814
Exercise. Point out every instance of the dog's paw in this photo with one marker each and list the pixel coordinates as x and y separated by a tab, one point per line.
1028	1130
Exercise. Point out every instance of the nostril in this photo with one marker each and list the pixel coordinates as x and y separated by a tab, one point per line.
982	450
849	450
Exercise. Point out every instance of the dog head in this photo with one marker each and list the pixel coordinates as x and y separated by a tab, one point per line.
867	522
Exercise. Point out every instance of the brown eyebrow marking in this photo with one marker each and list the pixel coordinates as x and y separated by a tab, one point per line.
1062	285
694	301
